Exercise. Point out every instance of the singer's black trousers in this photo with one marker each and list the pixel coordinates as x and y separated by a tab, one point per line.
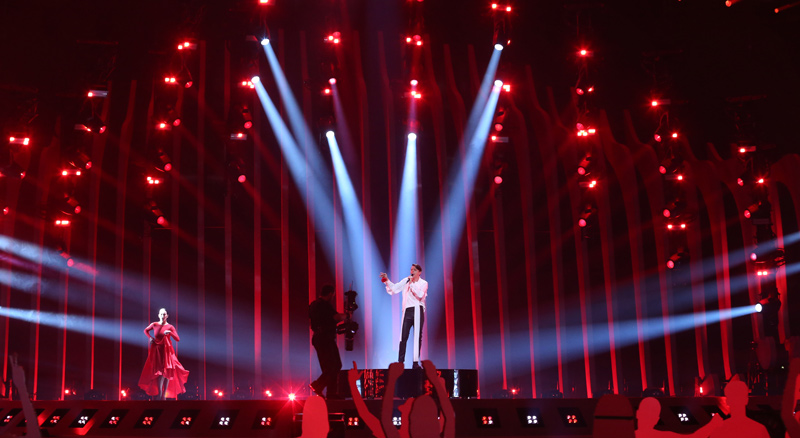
408	321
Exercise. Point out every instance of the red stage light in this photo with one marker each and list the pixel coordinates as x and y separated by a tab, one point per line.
753	256
419	43
579	91
592	131
662	170
494	5
242	178
408	39
581	171
188	84
292	396
667	213
5	210
263	2
64	173
70	262
498	179
760	181
507	88
581	223
494	138
747	214
102	129
674	135
592	184
683	226
77	209
740	182
657	138
508	8
268	393
327	91
66	391
161	220
176	122
167	167
248	124
414	82
669	226
654	103
670	264
498	127
584	52
417	95
162	125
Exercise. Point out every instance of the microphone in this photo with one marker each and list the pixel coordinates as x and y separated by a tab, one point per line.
409	279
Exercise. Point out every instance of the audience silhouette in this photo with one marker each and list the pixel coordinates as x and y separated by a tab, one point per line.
315	418
738	425
422	417
647	417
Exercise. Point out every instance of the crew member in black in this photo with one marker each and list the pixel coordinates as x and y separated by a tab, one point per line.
324	318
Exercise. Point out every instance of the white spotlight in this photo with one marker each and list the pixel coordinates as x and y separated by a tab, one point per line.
412	136
498	46
329	134
265	41
332	81
759	307
255	79
498	83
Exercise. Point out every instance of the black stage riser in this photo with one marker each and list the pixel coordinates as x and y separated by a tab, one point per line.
508	417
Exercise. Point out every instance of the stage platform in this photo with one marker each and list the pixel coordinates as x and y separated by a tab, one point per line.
279	418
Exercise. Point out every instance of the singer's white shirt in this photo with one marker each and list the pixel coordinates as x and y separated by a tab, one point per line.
420	288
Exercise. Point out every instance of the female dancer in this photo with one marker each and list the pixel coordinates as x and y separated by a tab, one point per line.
162	372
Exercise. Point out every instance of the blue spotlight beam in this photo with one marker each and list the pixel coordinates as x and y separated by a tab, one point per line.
406	225
361	244
359	237
459	195
296	161
483	94
296	118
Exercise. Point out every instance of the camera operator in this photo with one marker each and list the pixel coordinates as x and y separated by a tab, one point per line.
324	317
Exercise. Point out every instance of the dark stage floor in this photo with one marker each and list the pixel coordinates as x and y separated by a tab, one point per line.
279	418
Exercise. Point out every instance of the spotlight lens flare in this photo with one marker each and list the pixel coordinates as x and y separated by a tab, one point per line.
759	307
255	79
265	42
498	46
412	136
329	134
498	83
332	81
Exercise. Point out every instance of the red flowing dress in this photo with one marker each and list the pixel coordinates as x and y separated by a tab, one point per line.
162	361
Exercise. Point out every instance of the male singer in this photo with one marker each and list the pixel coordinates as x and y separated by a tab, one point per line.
415	290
